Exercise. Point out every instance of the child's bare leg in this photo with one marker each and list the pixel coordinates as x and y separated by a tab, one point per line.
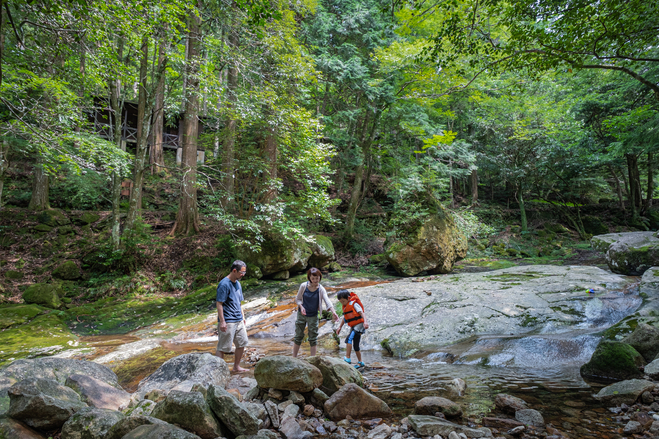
359	355
348	350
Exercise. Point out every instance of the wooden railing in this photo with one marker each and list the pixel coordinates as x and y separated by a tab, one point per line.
129	134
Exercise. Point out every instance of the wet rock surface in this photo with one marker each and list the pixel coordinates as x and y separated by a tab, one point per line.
96	393
190	411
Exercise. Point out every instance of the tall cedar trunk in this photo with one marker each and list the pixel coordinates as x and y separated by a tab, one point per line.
271	157
187	217
650	192
4	151
356	193
451	187
228	154
156	155
474	186
2	38
621	200
634	184
39	200
143	128
115	91
522	209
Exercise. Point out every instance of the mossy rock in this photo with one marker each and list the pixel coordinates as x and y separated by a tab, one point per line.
52	218
14	315
594	225
65	230
67	271
377	259
614	360
515	229
645	339
13	275
277	254
556	228
44	294
322	251
87	218
512	252
42	228
333	267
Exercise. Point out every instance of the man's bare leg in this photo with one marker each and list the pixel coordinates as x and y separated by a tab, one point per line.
236	362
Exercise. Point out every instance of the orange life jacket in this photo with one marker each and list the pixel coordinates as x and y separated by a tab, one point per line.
351	316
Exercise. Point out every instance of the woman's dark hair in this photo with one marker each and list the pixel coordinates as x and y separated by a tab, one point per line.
343	294
313	271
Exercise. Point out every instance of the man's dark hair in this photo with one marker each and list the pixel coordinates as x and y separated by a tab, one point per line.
343	294
237	265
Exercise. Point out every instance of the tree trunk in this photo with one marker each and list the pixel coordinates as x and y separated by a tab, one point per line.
451	188
117	177
4	151
650	192
40	185
156	155
271	157
2	38
621	201
187	217
356	193
522	209
634	184
474	186
228	153
143	128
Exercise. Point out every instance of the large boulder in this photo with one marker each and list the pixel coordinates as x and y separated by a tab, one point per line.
645	339
354	401
431	426
47	295
42	403
434	247
189	411
184	371
231	412
433	404
336	373
277	255
10	428
652	370
613	360
629	253
322	251
624	392
129	423
90	423
159	431
96	393
69	270
287	373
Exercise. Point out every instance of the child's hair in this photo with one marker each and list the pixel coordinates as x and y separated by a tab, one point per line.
343	294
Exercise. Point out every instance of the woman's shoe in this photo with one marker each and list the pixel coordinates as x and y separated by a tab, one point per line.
347	360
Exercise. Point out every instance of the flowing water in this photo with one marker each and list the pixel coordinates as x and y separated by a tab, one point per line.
542	368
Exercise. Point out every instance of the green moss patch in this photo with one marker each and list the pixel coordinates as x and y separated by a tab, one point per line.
44	335
614	360
14	315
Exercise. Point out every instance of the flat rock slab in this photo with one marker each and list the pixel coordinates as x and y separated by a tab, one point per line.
626	392
405	317
652	370
431	425
96	393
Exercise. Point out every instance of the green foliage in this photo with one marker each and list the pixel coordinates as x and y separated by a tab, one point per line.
129	256
88	190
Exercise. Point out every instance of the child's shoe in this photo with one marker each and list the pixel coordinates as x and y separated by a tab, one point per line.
347	360
360	364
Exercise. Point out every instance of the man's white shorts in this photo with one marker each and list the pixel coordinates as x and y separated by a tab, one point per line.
235	333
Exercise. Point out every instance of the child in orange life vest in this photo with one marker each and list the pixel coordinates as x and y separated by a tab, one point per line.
353	315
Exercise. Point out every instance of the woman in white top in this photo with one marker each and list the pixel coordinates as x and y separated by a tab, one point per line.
310	298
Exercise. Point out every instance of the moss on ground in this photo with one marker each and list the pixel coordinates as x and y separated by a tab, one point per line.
15	315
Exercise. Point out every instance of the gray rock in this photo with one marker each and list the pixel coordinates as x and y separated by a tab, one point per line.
143	408
90	423
382	431
190	411
290	412
275	394
283	405
96	393
509	404
273	413
318	398
10	428
431	425
645	339
166	431
517	430
290	429
256	409
130	423
287	373
457	387
530	417
433	404
42	403
654	428
231	412
268	433
322	251
184	371
632	427
624	392
336	373
354	401
632	253
296	398
252	393
453	435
